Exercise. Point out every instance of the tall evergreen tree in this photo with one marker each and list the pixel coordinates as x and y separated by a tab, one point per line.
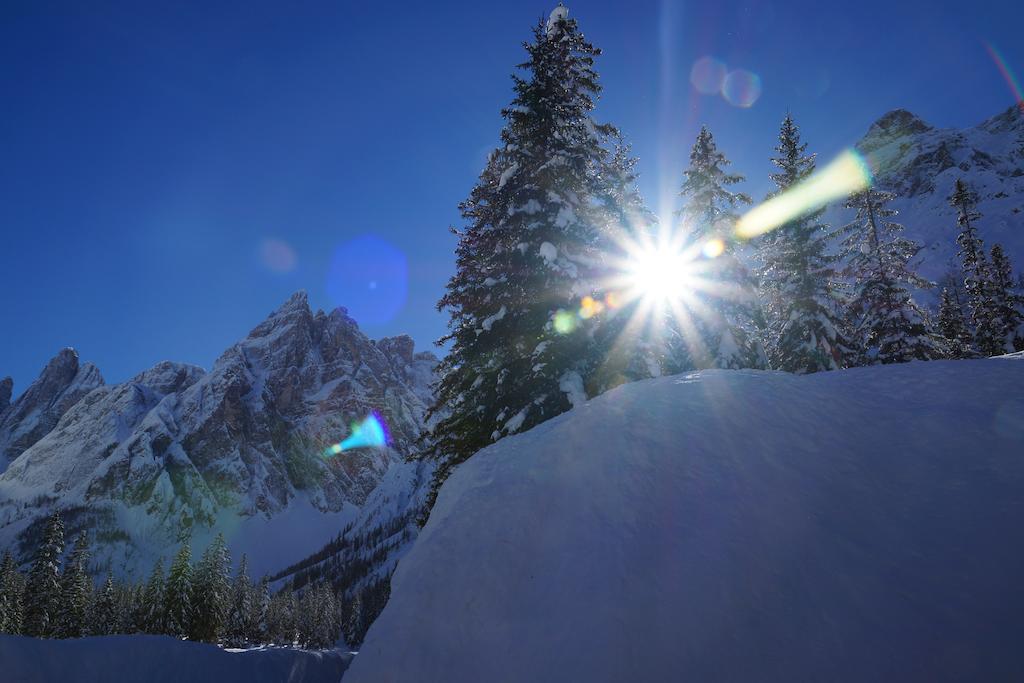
239	622
797	275
104	613
888	326
280	619
42	593
1007	304
987	338
153	601
729	318
12	587
75	591
179	611
952	326
530	253
212	592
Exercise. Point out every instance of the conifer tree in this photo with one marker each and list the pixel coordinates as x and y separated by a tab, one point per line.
529	254
887	325
240	616
797	276
178	609
42	593
153	601
104	613
212	592
1007	304
280	620
12	586
987	338
256	627
730	317
76	591
952	326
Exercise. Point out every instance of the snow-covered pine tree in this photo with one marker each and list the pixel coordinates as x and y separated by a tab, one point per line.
528	256
280	620
1007	303
729	319
75	592
887	325
238	627
12	586
103	613
987	339
179	611
952	327
42	592
797	276
212	592
256	624
151	618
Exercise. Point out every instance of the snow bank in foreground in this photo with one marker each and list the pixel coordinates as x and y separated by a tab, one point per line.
729	526
160	659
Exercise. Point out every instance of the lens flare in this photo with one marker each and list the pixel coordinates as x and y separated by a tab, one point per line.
278	256
370	433
662	274
1004	69
708	75
849	173
713	248
369	276
741	88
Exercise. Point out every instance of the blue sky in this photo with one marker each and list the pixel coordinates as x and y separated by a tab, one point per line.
172	172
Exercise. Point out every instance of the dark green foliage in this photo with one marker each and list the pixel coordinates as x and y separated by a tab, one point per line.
1007	303
211	592
977	279
12	588
42	593
952	327
75	592
179	611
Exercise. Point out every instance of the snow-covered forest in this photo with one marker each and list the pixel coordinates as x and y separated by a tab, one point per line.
653	443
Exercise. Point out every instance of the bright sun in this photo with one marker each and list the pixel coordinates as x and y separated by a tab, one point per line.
661	274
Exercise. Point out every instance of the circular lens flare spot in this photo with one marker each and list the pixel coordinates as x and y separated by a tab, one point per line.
565	322
708	75
278	256
662	274
713	248
741	88
368	276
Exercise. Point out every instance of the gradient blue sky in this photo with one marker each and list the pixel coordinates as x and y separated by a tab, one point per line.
148	150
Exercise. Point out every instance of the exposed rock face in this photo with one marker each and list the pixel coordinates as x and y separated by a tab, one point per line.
920	163
177	449
61	384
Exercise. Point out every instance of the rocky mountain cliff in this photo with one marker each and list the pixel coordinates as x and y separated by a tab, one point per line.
178	451
920	163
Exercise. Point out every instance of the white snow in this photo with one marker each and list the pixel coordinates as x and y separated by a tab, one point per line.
491	319
507	173
161	659
549	252
571	384
730	525
559	13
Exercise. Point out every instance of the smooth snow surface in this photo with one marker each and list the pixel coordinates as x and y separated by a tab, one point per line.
160	659
860	525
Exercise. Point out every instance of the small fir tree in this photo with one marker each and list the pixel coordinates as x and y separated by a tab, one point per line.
797	276
42	593
12	586
952	326
178	609
104	612
729	320
886	324
75	591
987	338
212	592
154	601
1007	304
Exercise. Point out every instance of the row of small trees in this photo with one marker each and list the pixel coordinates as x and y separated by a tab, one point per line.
543	234
199	601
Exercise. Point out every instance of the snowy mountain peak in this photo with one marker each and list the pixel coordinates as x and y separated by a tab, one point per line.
899	121
61	384
177	448
1011	120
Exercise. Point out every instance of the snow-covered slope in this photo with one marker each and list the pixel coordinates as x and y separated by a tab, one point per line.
160	659
237	449
920	163
730	526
